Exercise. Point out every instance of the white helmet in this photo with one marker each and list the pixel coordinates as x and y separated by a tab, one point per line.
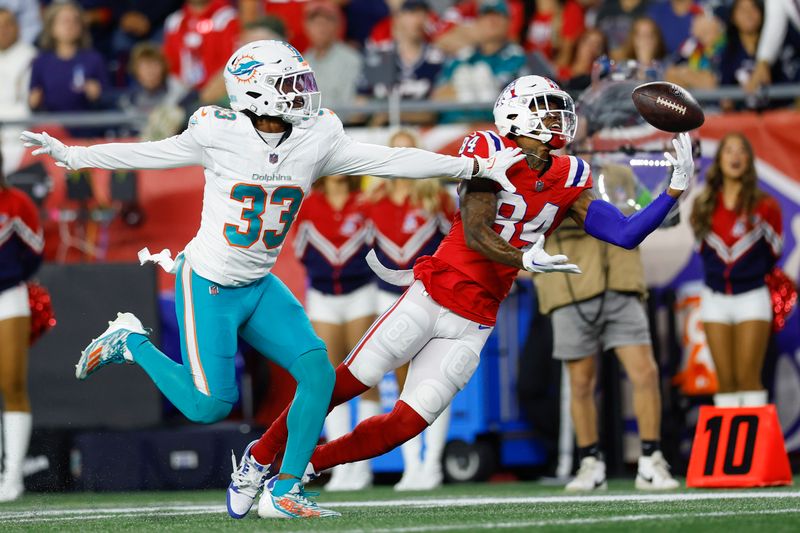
525	102
272	78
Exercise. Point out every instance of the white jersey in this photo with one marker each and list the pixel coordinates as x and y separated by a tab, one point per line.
253	190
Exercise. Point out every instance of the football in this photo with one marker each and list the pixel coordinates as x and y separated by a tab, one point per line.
667	106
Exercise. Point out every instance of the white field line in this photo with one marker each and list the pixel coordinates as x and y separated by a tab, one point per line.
578	521
452	527
100	512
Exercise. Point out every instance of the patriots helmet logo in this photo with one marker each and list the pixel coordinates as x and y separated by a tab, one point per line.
243	68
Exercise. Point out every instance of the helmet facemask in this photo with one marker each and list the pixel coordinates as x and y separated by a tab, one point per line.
550	119
298	95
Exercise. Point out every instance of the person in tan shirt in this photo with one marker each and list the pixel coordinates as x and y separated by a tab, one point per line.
603	309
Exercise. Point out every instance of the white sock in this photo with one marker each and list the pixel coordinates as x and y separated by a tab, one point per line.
337	424
16	435
753	398
368	409
412	451
435	439
726	399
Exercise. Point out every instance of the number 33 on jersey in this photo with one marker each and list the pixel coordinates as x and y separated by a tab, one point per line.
541	201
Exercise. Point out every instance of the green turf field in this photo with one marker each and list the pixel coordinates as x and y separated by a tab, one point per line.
506	506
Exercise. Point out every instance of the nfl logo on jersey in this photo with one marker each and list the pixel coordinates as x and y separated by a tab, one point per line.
273	158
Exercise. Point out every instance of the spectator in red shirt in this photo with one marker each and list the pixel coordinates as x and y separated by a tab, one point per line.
199	39
459	29
291	12
382	36
553	30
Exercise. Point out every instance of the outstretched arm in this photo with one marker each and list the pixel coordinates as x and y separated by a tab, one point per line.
178	151
478	213
604	221
355	158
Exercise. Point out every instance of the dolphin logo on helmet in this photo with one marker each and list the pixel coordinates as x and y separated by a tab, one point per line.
272	78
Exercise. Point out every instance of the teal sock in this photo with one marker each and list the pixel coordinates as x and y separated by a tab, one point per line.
315	378
175	382
282	486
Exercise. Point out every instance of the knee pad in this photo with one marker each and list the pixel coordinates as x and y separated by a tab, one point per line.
395	341
459	364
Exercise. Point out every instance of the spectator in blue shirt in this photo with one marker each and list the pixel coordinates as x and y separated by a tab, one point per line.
480	73
675	16
409	65
68	74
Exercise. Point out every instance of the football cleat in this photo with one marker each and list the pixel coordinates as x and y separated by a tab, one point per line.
11	490
293	504
423	477
247	480
110	346
310	474
654	473
591	476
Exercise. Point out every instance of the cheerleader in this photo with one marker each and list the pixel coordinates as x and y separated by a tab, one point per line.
21	245
332	242
410	218
740	234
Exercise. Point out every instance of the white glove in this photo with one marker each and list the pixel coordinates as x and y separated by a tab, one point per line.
494	168
683	166
537	260
47	145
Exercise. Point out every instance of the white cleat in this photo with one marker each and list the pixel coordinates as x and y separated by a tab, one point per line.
110	346
426	477
293	504
654	474
247	480
591	476
310	474
409	480
11	490
358	476
339	480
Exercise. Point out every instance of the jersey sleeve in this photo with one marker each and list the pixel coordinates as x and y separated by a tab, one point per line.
352	158
481	144
181	150
579	174
777	14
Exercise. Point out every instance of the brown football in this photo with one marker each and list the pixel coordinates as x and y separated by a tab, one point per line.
667	106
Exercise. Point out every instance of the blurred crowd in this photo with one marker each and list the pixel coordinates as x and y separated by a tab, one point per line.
168	55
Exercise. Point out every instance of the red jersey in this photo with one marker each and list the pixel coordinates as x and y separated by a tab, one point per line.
197	45
292	13
740	250
467	11
539	37
467	282
382	37
402	233
333	244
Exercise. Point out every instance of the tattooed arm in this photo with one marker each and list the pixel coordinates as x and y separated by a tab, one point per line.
478	211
